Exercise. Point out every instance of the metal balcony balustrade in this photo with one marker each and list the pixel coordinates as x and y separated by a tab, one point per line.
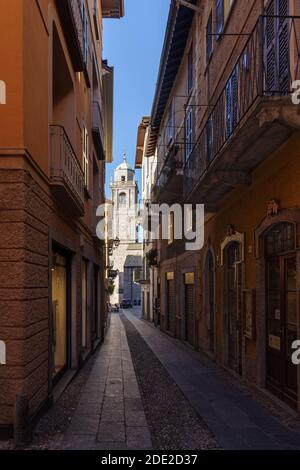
264	72
98	130
67	178
169	173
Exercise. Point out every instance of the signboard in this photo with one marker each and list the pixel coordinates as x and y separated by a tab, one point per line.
189	278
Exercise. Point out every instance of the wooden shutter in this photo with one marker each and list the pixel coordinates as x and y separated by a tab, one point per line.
209	139
228	93
283	46
189	312
270	49
276	29
171	306
235	97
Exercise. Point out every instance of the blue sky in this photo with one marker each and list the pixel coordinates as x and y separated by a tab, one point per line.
133	46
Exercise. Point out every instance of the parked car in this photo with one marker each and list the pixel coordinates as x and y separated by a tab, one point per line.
125	304
115	308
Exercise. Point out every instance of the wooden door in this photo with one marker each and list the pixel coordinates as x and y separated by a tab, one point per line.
234	302
189	313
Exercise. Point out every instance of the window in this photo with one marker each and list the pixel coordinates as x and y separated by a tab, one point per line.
219	17
232	104
170	126
189	214
190	69
122	199
189	133
171	228
280	239
84	305
223	8
209	139
227	7
209	38
85	32
96	20
209	289
123	179
85	156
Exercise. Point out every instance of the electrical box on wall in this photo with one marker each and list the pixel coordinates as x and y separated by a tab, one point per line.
2	92
2	353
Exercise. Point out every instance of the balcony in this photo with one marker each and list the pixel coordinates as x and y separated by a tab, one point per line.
168	179
67	179
112	8
253	115
98	131
71	16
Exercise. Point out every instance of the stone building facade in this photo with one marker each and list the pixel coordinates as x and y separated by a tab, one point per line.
226	133
126	257
55	139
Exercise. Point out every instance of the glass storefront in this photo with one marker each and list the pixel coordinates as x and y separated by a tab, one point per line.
59	315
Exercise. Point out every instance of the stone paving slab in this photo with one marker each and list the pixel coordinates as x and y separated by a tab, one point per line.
237	420
110	414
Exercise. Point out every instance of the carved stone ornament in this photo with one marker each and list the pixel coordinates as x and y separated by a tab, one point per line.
273	208
230	230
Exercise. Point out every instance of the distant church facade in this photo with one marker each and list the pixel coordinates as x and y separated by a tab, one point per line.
127	258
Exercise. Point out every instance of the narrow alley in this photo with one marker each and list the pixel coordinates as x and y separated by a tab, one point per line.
147	390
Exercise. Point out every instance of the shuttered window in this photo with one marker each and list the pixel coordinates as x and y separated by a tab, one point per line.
85	156
171	313
232	102
189	133
276	44
219	17
209	139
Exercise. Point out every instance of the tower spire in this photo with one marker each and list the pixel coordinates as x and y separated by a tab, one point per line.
124	157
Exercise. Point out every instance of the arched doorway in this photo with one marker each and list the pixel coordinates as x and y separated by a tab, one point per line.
281	310
233	300
209	300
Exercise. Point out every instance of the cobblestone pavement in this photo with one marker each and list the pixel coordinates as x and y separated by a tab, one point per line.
110	414
236	418
146	390
174	423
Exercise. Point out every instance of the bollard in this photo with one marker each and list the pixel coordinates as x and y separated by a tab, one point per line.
22	426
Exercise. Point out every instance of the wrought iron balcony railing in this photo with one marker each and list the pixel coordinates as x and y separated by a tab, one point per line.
169	172
266	68
66	175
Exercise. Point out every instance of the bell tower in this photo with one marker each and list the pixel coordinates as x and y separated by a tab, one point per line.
124	195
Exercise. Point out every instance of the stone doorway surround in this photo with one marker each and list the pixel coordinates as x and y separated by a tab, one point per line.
232	236
281	215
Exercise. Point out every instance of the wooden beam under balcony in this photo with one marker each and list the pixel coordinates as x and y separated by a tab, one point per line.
232	178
